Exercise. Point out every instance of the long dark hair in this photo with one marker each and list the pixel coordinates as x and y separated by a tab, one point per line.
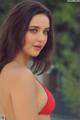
13	31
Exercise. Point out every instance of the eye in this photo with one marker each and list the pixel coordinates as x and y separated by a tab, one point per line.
46	32
33	30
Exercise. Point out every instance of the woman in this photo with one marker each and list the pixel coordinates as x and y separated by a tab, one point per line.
25	35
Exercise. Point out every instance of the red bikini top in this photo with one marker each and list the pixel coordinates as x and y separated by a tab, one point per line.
49	107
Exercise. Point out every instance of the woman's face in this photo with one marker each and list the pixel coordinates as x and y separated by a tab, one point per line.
36	36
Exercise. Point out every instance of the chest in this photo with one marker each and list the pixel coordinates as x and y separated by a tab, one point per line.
41	96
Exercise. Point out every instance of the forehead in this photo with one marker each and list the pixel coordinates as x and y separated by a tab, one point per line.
40	20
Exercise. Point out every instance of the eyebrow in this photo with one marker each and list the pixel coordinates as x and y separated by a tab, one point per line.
39	27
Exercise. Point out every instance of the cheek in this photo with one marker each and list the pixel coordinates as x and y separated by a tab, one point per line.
46	39
26	43
27	40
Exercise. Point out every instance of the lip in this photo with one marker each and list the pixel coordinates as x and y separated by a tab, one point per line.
37	47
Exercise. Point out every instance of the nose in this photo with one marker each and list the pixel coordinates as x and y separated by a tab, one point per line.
41	37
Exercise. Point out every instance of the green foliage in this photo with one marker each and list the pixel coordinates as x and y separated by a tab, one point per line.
65	14
7	4
67	58
71	81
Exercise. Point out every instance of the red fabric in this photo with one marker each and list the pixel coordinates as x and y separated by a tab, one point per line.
50	105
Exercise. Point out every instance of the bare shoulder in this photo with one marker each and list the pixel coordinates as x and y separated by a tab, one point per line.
21	72
22	76
18	76
23	94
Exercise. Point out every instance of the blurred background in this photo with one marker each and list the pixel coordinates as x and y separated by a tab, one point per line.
63	78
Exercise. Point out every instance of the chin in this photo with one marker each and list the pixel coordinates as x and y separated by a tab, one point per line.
35	55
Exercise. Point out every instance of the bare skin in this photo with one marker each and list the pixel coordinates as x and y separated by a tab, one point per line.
6	86
21	95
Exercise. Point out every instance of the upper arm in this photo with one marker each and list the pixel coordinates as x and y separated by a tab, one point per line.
23	97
